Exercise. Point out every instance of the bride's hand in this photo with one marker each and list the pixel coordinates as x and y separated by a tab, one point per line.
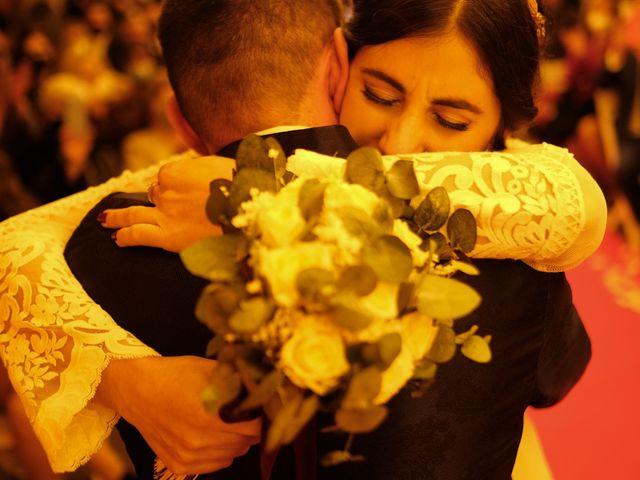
178	218
161	397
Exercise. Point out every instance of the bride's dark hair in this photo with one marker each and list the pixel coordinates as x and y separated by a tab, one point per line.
503	33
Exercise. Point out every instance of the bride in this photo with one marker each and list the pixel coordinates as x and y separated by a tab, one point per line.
56	342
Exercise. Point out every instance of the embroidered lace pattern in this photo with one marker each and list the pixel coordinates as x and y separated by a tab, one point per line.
55	342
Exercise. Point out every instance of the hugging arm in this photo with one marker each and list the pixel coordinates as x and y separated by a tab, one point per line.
54	341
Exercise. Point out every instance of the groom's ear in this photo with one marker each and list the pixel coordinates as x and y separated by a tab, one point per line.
182	127
339	71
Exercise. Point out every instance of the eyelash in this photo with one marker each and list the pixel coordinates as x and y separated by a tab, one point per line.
376	99
459	127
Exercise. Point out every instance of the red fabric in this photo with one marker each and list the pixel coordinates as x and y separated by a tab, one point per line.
593	433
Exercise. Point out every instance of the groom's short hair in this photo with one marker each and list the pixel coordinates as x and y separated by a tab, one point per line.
244	65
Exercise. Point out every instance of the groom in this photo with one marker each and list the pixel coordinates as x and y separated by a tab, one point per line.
249	55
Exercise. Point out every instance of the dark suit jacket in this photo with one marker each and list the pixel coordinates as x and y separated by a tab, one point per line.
467	426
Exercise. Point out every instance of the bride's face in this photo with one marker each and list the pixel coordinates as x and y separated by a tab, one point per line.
421	94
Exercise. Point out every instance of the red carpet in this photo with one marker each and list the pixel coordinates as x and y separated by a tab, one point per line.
594	432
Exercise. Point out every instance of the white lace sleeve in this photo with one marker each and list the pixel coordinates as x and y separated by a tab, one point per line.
532	202
54	341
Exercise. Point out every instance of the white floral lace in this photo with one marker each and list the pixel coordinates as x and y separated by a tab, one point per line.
532	202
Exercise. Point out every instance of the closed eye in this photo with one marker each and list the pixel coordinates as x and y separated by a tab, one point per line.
375	98
459	127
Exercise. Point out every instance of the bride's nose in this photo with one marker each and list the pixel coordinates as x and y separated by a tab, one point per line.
405	134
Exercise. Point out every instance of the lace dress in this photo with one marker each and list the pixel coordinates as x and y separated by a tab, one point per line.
532	202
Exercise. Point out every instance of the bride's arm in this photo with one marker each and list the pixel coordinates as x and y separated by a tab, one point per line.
54	341
532	202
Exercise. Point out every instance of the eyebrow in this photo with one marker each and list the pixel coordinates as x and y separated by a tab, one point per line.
385	78
457	103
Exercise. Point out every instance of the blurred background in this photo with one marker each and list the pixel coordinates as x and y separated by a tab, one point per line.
82	98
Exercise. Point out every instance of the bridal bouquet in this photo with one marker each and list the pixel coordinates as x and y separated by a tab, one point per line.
330	288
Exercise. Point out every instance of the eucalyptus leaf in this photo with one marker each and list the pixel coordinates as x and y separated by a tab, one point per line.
251	315
444	345
445	298
363	389
311	198
214	346
215	258
358	279
477	349
364	167
389	258
216	303
360	420
425	370
286	415
401	180
315	284
462	230
390	346
338	457
246	180
253	153
218	208
348	317
224	387
278	159
406	296
433	211
263	393
359	224
384	215
306	411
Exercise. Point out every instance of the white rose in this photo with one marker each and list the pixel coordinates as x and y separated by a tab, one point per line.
411	240
340	195
314	165
314	358
280	266
281	223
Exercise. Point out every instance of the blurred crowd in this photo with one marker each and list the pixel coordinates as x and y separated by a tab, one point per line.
83	90
589	98
82	96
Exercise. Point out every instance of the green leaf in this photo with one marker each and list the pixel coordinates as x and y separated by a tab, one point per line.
389	258
445	298
406	296
390	346
311	198
383	214
306	411
315	284
214	346
433	211
462	230
224	386
218	208
401	180
285	416
359	224
364	167
278	159
477	349
216	303
350	318
215	258
444	345
360	420
338	457
253	153
363	389
251	315
266	389
425	370
246	180
360	280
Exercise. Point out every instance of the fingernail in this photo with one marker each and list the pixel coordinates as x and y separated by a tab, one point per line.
102	217
114	236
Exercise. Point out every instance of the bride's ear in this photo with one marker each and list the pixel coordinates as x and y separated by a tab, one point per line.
182	127
339	74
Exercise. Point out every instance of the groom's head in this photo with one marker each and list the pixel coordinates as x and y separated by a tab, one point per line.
240	66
